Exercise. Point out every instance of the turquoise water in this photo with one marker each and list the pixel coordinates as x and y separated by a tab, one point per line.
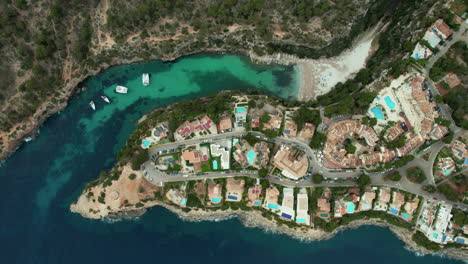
44	176
324	215
215	164
257	203
300	220
388	100
240	109
234	141
216	200
146	143
405	215
251	156
350	208
377	111
272	206
447	172
183	201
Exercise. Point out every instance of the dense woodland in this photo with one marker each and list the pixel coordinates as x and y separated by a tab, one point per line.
46	44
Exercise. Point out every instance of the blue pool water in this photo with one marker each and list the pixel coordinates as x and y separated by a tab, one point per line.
216	200
183	201
300	220
378	98
389	102
447	172
350	208
393	211
234	141
146	143
272	206
240	109
377	111
215	164
405	215
232	197
251	156
257	203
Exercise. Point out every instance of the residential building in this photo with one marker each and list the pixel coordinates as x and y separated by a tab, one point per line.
225	124
421	52
275	122
384	198
177	197
307	131
160	132
234	190
290	128
292	163
271	199
410	208
452	80
240	114
366	201
441	29
223	153
446	165
215	193
459	149
398	199
438	132
302	208
323	208
394	132
193	158
287	207
254	194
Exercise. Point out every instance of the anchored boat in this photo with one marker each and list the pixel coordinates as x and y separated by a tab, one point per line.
103	97
121	89
93	106
145	79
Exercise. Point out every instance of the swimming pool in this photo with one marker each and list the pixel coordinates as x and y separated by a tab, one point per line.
234	141
183	201
389	102
257	203
405	215
324	215
350	208
232	197
215	164
377	111
145	144
272	206
241	109
300	220
251	156
447	172
216	200
393	211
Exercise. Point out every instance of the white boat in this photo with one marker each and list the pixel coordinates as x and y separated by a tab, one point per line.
28	139
145	79
103	97
121	89
93	106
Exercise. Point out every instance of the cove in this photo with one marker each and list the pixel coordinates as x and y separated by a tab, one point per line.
43	177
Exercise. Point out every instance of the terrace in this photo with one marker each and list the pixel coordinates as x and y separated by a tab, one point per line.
234	190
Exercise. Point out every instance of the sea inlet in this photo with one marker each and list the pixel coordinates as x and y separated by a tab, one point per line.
42	178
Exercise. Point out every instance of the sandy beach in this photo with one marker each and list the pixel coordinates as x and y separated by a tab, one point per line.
319	76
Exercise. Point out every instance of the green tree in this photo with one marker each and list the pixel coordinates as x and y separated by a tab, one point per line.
318	140
317	178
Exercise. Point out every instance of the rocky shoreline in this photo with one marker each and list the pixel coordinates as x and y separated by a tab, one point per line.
254	219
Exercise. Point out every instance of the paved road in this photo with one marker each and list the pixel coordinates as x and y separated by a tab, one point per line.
459	35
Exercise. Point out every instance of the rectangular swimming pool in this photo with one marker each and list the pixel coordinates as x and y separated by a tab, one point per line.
241	109
232	197
215	164
393	211
257	203
216	200
350	208
272	206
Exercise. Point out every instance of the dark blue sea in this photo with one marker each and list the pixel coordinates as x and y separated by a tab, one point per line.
41	179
